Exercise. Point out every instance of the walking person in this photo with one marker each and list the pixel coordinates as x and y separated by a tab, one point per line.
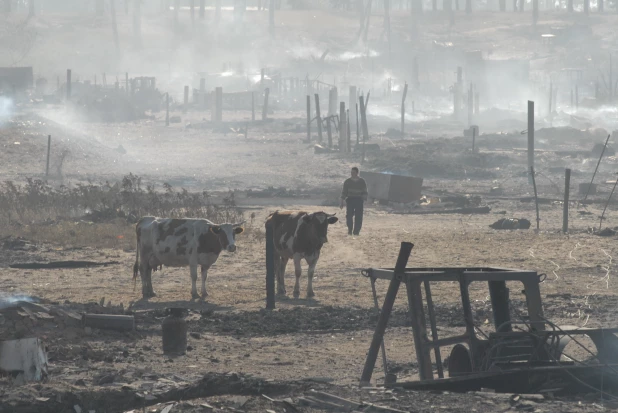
354	194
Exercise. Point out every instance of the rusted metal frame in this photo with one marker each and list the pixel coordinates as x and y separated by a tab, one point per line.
432	324
469	321
419	329
387	308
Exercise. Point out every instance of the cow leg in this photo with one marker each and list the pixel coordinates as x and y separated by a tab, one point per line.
280	274
194	293
146	275
297	271
204	276
312	261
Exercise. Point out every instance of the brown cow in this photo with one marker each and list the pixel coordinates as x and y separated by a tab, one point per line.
180	243
298	235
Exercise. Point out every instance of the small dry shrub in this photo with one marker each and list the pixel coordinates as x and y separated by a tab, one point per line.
42	213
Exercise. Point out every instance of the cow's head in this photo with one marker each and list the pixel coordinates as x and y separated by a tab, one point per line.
318	222
227	234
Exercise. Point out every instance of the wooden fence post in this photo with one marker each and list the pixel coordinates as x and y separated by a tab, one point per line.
565	210
318	117
308	118
363	114
343	132
403	109
530	135
270	268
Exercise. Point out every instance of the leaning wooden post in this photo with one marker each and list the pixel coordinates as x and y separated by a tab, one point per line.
565	210
403	109
270	268
266	93
343	132
167	109
597	168
607	203
186	100
387	308
318	117
308	118
536	197
68	84
531	137
48	152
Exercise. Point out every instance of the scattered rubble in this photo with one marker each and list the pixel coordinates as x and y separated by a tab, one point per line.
511	223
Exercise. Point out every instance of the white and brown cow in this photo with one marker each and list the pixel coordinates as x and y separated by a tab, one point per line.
298	235
180	243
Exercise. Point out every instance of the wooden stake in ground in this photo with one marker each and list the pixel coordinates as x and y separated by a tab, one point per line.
349	145
308	118
167	109
607	203
565	210
536	197
318	117
266	93
531	135
403	109
597	168
48	152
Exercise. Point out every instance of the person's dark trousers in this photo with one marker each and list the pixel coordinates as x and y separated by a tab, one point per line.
354	214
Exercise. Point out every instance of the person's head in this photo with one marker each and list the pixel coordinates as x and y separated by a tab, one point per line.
355	172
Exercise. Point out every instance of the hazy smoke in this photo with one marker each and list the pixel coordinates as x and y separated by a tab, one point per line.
7	301
6	109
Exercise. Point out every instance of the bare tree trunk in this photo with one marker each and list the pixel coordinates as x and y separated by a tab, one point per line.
367	21
112	7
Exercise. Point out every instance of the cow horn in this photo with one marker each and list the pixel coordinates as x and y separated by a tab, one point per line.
239	224
331	215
